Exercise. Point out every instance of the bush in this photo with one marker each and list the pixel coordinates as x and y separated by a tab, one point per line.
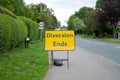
12	32
7	12
22	29
32	26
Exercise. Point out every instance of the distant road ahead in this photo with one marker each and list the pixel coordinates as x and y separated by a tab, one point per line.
111	51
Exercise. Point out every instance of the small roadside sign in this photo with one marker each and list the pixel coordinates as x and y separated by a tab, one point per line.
41	28
59	40
41	25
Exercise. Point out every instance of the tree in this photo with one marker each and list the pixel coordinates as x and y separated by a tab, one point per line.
18	7
90	21
74	23
7	4
38	12
70	22
97	3
54	22
109	11
82	12
78	25
44	14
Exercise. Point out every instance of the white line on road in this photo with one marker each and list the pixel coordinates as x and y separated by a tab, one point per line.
113	62
117	46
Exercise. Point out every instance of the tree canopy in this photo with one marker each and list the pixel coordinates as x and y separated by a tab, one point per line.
18	7
38	12
109	11
82	12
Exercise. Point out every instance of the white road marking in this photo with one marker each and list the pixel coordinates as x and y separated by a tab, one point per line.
113	62
117	46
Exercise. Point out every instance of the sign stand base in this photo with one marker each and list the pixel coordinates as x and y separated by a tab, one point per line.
52	59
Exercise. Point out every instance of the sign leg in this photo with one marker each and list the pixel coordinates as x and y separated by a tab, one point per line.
68	59
52	60
41	35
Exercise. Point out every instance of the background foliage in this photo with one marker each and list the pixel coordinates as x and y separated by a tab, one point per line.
15	29
101	20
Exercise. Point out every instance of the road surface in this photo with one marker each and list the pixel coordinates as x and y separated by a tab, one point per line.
105	49
89	61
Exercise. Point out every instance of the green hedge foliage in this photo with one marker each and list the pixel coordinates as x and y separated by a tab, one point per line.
32	26
12	32
7	12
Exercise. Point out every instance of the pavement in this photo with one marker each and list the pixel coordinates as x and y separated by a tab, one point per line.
83	65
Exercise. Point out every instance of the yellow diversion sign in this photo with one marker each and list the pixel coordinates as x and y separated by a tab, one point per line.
59	40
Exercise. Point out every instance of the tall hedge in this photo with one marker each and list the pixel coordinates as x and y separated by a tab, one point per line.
32	26
12	32
7	12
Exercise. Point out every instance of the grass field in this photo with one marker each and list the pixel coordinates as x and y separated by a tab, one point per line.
24	63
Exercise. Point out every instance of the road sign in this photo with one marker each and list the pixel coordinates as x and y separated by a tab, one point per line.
41	24
59	40
41	28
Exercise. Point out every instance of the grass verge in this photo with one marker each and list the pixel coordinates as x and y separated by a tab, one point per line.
103	39
110	40
85	36
24	63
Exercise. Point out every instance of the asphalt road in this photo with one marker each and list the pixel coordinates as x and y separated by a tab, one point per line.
111	51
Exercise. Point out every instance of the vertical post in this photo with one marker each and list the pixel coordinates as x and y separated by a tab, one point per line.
68	59
41	29
51	29
41	7
41	34
52	57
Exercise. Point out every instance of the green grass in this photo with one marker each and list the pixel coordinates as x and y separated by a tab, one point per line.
103	39
24	63
110	40
85	36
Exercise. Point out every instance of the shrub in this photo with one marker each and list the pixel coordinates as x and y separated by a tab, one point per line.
22	29
7	12
12	32
32	26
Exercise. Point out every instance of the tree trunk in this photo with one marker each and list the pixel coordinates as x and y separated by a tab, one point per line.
101	31
114	32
